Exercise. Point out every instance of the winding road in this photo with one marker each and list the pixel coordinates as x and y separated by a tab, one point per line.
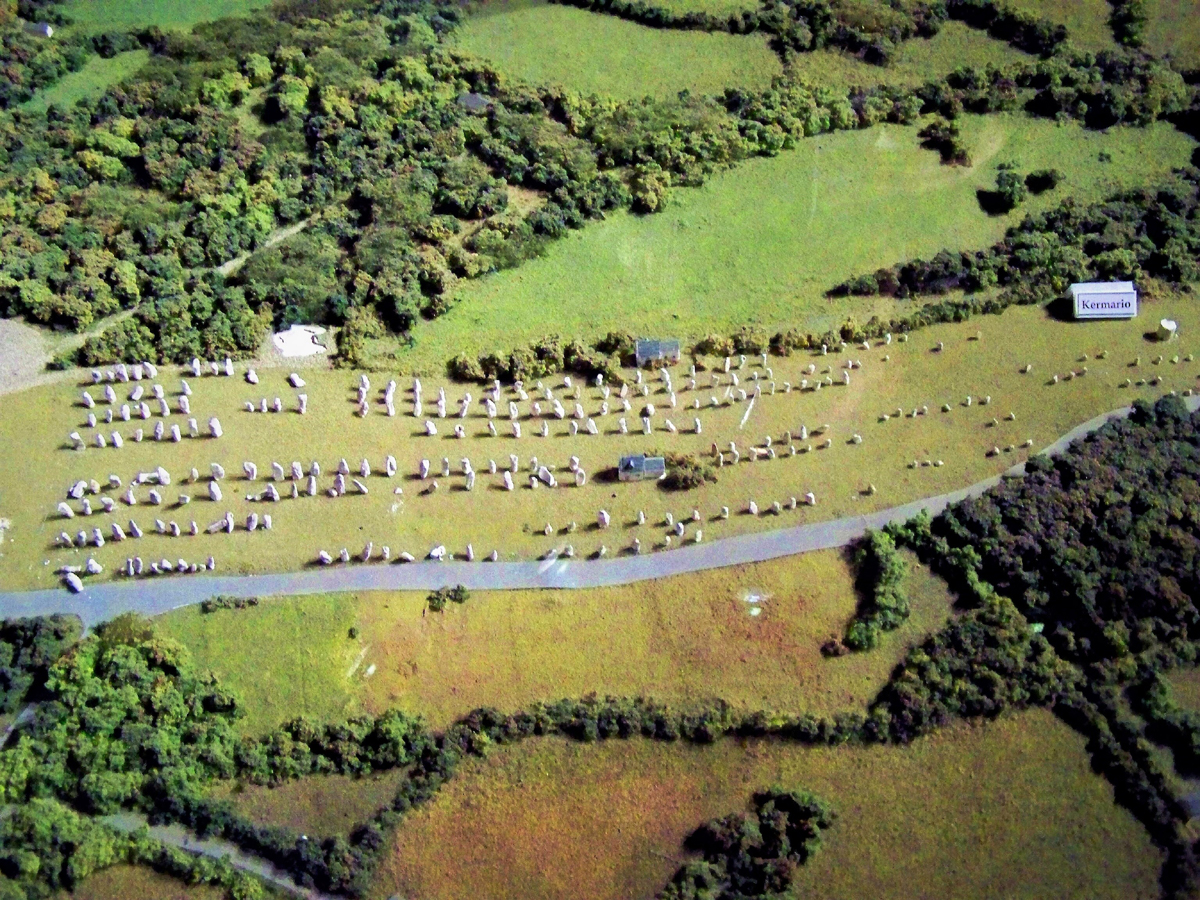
101	602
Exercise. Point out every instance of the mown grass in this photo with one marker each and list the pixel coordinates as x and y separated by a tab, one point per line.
1009	809
285	658
489	517
97	75
914	62
121	15
1086	20
590	53
679	639
763	242
139	883
323	805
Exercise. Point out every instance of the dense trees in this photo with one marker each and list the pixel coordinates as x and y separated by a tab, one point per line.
399	160
752	856
1097	550
880	582
27	649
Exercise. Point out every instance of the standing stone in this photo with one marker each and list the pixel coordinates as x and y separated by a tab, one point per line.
214	427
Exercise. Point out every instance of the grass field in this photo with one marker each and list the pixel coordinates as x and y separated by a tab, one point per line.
96	76
1172	28
1008	810
590	53
119	15
1086	20
324	805
764	241
681	639
915	61
139	883
513	522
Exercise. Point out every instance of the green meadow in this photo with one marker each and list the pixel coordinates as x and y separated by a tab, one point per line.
121	15
763	242
551	44
914	62
97	75
1086	20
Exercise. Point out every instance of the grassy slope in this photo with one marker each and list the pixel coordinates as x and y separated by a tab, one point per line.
138	883
96	76
490	517
1172	27
610	56
1086	20
1004	810
112	15
764	241
915	62
684	638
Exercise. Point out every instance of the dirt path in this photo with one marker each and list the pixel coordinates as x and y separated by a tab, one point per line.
279	234
178	836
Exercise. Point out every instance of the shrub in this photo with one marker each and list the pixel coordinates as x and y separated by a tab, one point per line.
438	599
686	471
226	602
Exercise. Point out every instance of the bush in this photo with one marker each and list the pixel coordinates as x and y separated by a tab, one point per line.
438	599
686	471
225	602
1043	180
752	856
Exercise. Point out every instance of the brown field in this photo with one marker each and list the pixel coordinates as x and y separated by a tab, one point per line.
1086	20
677	639
1007	810
1172	28
139	883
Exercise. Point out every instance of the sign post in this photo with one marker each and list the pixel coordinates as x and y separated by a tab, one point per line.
1104	300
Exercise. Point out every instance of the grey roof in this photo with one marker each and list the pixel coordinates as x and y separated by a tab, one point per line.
641	464
647	348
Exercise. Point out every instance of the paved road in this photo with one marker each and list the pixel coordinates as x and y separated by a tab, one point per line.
101	602
178	836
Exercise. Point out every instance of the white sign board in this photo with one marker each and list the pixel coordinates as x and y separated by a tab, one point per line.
1104	300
